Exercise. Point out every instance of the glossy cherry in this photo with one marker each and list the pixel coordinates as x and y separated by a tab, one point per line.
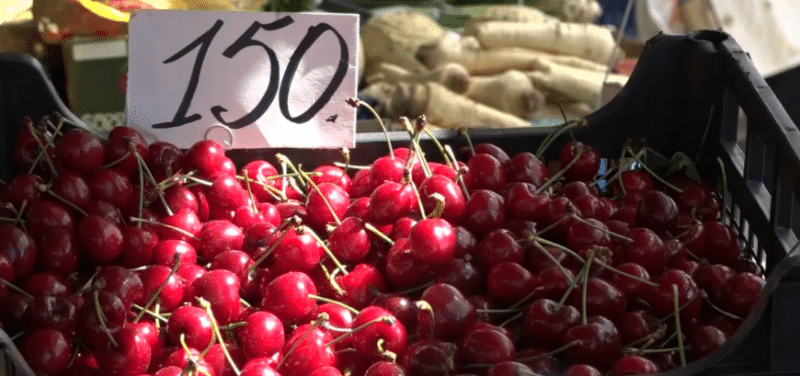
80	151
599	343
287	296
193	324
47	351
547	323
451	313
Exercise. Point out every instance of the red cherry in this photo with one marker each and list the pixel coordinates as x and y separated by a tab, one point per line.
88	326
221	288
404	270
547	323
164	253
386	169
706	340
193	324
522	203
509	282
349	241
720	244
462	274
432	240
589	233
484	212
526	168
486	172
287	296
741	292
602	299
101	238
310	353
711	278
633	182
454	201
429	358
451	313
19	248
137	247
44	216
171	296
361	285
599	343
635	325
582	370
26	149
121	282
658	212
585	169
24	187
80	151
118	146
486	346
634	365
219	236
647	250
384	368
164	160
47	351
114	187
629	286
389	202
298	251
184	219
391	332
321	201
662	298
206	156
360	186
131	357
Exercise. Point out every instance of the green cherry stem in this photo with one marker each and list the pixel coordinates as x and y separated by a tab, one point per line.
101	317
152	299
328	300
215	326
324	247
676	303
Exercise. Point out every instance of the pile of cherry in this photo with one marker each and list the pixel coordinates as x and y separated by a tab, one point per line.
123	258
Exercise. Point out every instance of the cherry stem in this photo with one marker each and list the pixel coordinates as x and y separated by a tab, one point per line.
550	257
43	149
585	284
556	133
332	279
418	288
607	231
660	351
197	180
324	199
440	204
285	160
171	227
355	102
345	153
250	191
650	338
722	312
354	167
553	225
439	146
653	174
387	355
667	317
101	317
723	212
150	313
578	278
563	348
274	192
415	133
561	172
19	213
44	189
498	311
16	289
325	248
676	303
116	161
419	199
333	301
459	173
322	318
286	226
207	306
628	275
150	178
175	265
561	247
389	320
233	325
512	318
425	306
369	227
463	132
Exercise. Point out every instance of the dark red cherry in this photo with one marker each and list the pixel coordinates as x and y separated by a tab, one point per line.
120	281
101	238
486	172
720	244
463	274
137	247
170	296
602	299
582	370
391	332
52	312
451	313
384	368
634	365
206	156
499	246
44	216
509	282
193	324
657	211
589	233
80	151
164	160
404	270
19	248
522	203
486	346
631	287
662	298
484	212
647	250
349	241
599	343
547	323
741	292
47	351
526	168
454	201
588	161
635	325
429	358
287	296
326	205
706	340
711	278
113	187
23	188
509	367
432	240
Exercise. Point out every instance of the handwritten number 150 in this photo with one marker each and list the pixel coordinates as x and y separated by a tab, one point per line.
281	89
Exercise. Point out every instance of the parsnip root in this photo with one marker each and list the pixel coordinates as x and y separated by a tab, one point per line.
511	92
513	13
451	75
579	84
588	41
448	109
394	36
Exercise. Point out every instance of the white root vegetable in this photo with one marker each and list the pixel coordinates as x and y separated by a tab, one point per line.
383	92
451	75
394	36
575	83
588	41
448	109
513	13
571	10
468	53
511	92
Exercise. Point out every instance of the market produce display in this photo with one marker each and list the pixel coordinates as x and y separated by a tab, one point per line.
508	65
119	257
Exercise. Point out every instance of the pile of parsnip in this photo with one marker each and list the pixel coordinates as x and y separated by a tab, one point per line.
511	65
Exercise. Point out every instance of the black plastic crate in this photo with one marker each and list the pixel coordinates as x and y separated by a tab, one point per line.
698	94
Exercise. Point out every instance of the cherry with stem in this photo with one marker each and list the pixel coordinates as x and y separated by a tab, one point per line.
176	264
205	304
355	102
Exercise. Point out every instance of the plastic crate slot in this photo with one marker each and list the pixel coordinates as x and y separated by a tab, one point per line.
785	331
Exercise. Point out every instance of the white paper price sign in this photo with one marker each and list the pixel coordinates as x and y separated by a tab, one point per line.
271	79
